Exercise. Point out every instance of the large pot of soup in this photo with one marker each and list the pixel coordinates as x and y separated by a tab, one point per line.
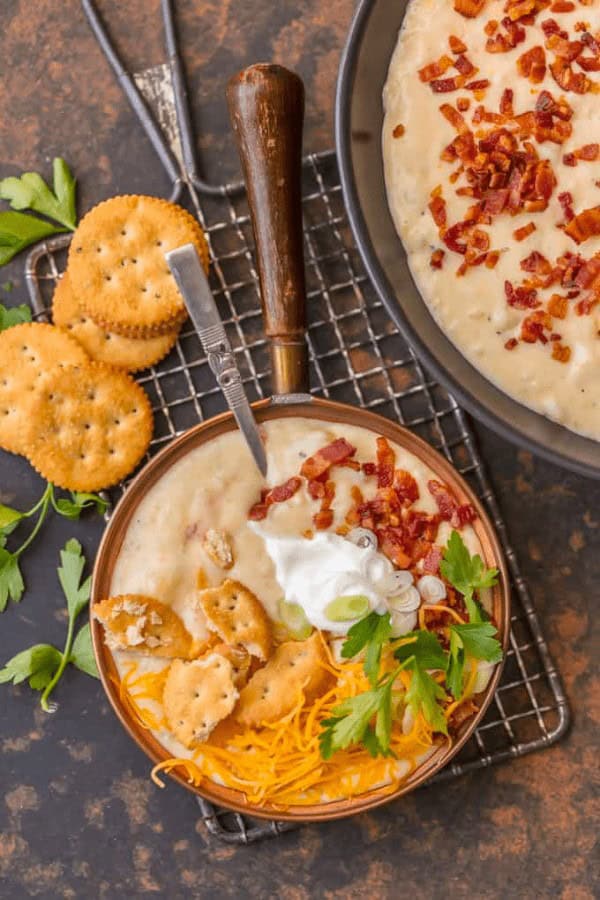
468	172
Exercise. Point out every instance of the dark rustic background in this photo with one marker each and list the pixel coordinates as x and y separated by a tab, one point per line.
78	815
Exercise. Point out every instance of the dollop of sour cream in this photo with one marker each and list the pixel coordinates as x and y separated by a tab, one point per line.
314	572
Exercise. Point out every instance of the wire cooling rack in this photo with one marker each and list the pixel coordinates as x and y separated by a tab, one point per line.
357	357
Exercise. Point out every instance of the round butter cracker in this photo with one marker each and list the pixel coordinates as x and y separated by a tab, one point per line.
93	426
29	353
118	269
105	346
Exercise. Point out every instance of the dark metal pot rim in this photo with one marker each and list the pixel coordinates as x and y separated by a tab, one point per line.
472	403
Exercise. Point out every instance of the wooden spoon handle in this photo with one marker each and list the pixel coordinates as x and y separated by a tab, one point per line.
266	105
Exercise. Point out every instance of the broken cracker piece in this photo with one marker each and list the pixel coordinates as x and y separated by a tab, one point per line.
240	661
237	616
145	625
217	546
197	696
274	690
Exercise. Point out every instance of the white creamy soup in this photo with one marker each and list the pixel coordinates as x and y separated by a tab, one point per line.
473	309
215	486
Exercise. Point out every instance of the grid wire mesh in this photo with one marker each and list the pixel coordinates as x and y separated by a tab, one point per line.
357	357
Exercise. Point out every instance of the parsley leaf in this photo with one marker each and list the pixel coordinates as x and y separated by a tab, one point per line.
371	632
30	191
38	664
80	500
18	231
43	664
456	664
9	518
69	575
478	640
350	722
82	654
466	573
422	696
14	315
425	647
11	579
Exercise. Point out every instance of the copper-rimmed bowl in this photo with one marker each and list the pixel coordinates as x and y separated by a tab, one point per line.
266	104
268	410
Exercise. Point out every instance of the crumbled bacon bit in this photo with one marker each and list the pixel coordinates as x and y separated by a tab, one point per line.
447	85
464	65
437	208
324	517
567	79
278	494
589	63
398	131
566	201
432	560
385	463
584	225
587	153
561	353
456	45
503	42
449	508
469	8
533	326
537	263
520	297
317	466
437	259
435	69
551	26
558	306
532	64
491	259
463	104
506	103
480	85
562	6
491	27
511	343
521	233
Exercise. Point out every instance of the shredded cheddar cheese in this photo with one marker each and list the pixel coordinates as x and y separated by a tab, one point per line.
280	762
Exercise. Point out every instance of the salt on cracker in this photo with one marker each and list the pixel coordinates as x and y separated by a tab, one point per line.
197	696
93	425
217	546
105	346
28	353
237	616
145	625
117	264
275	689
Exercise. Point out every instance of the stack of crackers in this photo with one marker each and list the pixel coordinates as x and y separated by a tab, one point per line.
67	400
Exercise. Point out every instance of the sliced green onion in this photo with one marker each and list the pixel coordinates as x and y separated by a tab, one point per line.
294	618
346	608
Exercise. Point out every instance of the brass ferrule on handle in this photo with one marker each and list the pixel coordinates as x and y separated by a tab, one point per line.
266	105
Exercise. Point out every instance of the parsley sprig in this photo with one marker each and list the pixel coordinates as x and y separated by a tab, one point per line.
30	191
12	584
367	717
43	665
466	573
14	315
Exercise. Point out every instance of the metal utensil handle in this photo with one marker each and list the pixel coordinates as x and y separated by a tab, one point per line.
191	279
266	105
